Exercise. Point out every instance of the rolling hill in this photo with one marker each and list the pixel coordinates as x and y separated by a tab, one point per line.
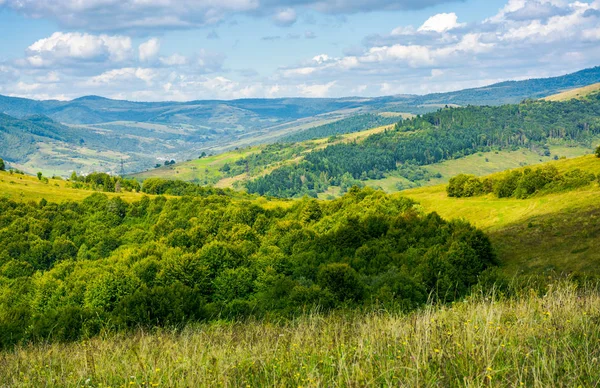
555	232
141	134
422	150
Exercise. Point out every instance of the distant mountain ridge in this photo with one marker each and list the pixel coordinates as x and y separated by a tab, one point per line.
95	109
96	133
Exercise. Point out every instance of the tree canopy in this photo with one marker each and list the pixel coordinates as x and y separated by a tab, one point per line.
69	270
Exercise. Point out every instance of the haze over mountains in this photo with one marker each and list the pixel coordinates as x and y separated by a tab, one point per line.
95	134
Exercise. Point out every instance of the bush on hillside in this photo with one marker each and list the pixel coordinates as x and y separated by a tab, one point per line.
519	184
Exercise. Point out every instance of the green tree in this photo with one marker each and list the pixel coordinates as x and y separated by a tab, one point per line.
39	175
598	151
342	280
3	166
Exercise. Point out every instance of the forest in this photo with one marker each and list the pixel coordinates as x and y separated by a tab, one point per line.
449	133
349	125
74	269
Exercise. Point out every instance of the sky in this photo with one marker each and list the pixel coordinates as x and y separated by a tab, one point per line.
156	50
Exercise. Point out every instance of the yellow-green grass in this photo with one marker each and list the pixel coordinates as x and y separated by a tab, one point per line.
25	188
575	93
207	167
553	232
481	164
530	340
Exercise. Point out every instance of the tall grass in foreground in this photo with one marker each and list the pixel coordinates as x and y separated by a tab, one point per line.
528	340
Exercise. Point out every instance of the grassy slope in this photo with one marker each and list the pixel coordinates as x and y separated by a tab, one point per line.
207	169
25	188
559	231
575	93
480	164
534	341
28	188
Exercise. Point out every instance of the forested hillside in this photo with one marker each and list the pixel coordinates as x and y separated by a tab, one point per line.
69	270
341	127
449	133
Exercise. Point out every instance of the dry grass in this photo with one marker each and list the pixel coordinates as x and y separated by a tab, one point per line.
531	340
574	93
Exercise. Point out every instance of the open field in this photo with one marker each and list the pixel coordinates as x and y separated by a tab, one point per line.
528	340
481	164
553	232
574	93
19	187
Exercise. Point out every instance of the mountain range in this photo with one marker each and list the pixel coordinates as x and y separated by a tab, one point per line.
98	134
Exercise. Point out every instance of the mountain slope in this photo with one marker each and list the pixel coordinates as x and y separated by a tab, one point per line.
578	93
547	232
144	133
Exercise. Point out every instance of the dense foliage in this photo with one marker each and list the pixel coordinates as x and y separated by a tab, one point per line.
2	165
100	181
447	134
72	269
349	125
158	186
598	151
519	184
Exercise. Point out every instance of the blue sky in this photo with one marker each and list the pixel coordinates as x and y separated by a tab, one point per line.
224	49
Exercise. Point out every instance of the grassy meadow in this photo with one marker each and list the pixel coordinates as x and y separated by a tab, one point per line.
546	333
532	339
19	187
556	232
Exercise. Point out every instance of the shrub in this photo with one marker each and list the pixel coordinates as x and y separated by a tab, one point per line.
342	280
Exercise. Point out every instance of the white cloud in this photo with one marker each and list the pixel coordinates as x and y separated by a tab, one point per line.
441	22
285	17
123	75
529	38
316	90
149	50
50	77
63	47
403	30
174	60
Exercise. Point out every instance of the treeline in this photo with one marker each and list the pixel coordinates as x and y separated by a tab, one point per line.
159	186
100	181
70	270
519	184
349	125
449	133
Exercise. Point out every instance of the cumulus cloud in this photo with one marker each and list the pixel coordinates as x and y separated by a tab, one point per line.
441	22
524	39
316	90
285	17
71	47
123	75
149	50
